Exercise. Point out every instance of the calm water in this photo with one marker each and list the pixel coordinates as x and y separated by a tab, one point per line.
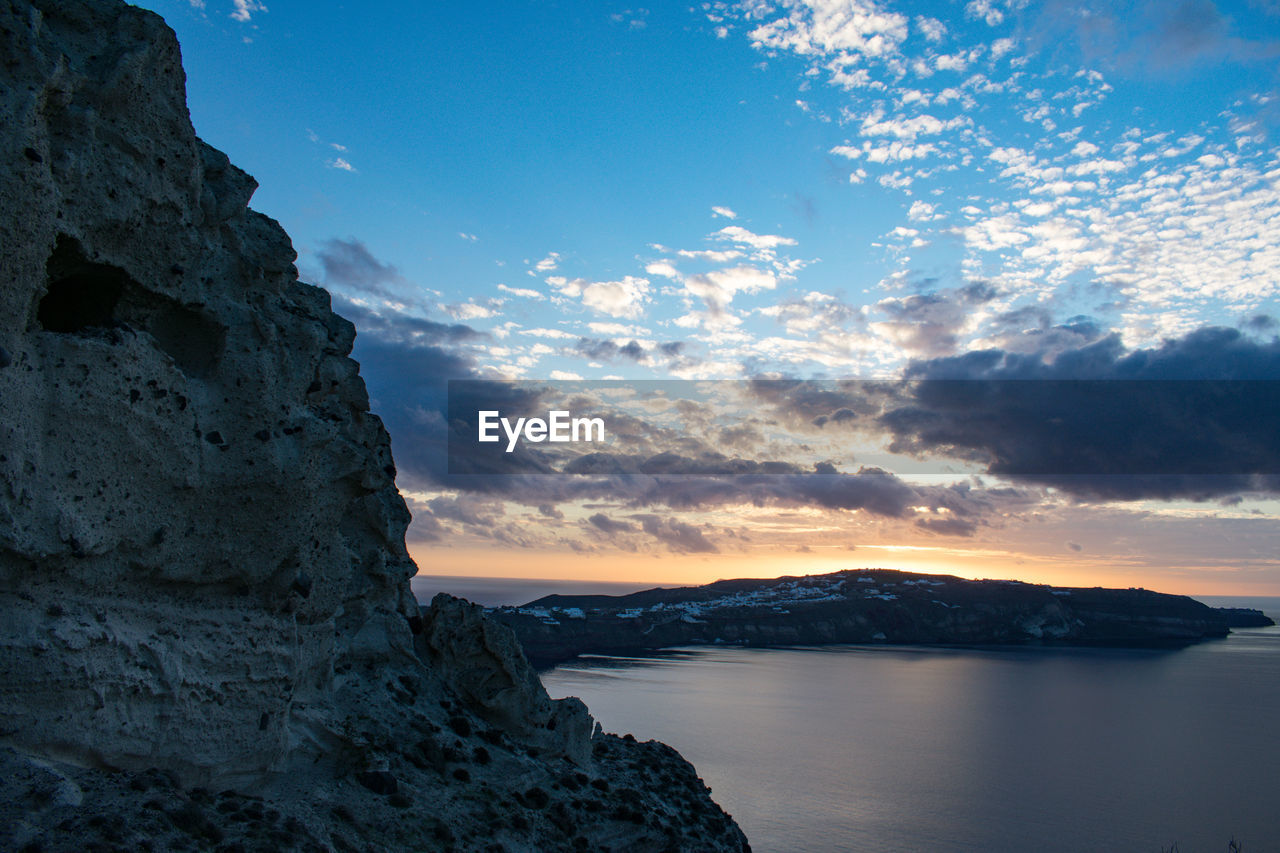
915	749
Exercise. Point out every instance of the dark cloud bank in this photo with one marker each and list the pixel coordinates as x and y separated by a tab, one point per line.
1197	417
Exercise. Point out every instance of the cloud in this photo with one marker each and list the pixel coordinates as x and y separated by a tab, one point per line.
616	329
1261	323
984	10
948	526
680	537
817	317
718	287
392	327
246	9
474	311
664	269
1196	417
598	350
931	324
349	264
554	334
822	27
340	164
634	19
549	263
878	123
425	527
931	28
466	509
738	234
921	211
710	480
680	472
725	212
623	298
522	292
711	255
609	526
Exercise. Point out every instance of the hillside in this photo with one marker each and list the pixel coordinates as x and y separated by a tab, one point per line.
861	606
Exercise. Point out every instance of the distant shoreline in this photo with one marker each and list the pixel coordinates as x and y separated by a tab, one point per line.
866	606
497	591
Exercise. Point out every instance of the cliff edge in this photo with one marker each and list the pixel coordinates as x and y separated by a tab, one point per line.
203	578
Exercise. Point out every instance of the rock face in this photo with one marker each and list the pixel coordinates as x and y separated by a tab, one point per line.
867	606
203	578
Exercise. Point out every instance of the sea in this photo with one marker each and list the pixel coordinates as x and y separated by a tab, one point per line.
915	748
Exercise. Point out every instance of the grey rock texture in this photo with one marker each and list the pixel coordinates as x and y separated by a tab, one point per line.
203	579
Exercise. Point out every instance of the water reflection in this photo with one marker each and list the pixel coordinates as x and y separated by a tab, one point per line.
912	748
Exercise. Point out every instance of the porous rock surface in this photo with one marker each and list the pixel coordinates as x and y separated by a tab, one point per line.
207	638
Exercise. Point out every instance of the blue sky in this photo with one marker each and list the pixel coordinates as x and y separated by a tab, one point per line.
724	190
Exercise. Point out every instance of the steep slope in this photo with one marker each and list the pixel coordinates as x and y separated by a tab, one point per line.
203	578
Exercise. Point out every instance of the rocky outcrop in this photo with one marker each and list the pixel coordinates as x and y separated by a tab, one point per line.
867	606
484	663
1244	617
203	578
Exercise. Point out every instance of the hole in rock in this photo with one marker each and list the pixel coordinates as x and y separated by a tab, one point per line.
190	338
81	295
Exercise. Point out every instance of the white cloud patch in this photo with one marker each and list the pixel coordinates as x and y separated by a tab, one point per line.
738	234
341	165
246	9
822	27
664	269
473	311
985	10
718	287
897	151
622	298
931	28
909	127
617	330
727	213
922	211
522	292
552	334
715	256
1000	47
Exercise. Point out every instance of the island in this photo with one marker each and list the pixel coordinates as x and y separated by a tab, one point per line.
862	606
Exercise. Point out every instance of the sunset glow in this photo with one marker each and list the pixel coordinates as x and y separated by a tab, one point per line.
823	190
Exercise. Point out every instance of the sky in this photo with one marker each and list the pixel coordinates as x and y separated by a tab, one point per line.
826	191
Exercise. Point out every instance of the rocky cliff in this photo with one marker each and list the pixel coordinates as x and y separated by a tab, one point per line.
865	606
203	578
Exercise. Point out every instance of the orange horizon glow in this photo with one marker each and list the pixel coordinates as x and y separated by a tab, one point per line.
654	570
